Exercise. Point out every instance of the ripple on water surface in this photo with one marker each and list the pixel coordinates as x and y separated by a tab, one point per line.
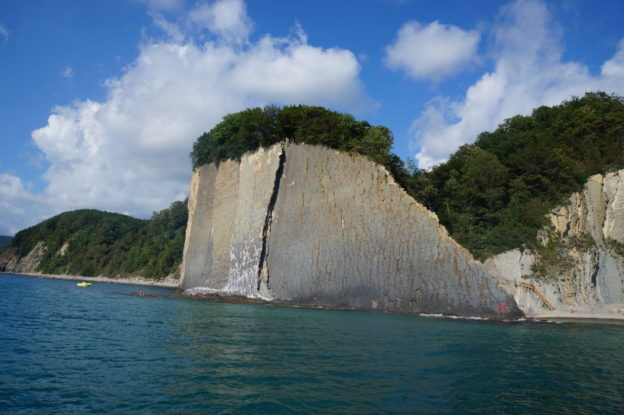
75	350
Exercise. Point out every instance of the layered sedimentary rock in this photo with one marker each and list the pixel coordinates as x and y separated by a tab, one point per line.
590	231
228	207
312	226
10	262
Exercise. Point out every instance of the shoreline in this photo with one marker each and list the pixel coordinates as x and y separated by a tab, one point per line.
563	316
166	282
577	316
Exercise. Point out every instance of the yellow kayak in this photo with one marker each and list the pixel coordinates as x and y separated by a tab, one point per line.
83	284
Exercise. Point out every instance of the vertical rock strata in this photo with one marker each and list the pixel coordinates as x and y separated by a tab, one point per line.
591	228
228	206
10	262
313	226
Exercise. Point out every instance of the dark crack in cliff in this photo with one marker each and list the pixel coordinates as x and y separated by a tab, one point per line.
263	273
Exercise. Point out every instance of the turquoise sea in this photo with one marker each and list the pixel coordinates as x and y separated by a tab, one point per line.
71	350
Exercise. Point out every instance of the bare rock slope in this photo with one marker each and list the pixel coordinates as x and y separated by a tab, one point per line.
588	236
10	262
312	226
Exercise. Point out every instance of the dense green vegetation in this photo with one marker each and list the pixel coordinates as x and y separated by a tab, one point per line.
493	195
4	242
91	242
248	130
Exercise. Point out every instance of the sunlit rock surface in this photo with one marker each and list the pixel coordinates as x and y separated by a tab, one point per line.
312	226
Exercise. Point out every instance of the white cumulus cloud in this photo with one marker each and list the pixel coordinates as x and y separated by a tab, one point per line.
130	152
614	68
432	51
529	72
227	18
17	204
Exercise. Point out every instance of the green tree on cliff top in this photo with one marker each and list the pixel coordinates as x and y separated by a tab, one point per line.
250	129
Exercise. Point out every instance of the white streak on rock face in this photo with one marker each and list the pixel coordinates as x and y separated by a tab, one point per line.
256	186
243	271
614	223
230	203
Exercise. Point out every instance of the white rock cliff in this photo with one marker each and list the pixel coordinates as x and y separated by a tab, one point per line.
312	226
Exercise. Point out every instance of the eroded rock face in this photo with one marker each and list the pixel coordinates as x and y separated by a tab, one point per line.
228	208
313	226
595	217
9	261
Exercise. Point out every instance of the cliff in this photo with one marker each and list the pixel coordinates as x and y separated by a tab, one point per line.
581	263
312	226
11	262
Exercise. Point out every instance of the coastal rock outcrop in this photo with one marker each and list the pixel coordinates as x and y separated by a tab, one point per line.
11	262
586	237
308	225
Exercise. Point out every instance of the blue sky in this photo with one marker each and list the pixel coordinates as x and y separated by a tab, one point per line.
100	101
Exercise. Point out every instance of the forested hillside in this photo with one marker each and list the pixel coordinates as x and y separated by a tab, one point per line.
91	243
4	242
493	195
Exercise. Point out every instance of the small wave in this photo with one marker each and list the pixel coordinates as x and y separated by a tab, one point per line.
468	317
208	291
199	291
440	315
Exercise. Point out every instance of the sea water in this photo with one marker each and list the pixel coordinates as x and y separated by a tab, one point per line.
79	350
